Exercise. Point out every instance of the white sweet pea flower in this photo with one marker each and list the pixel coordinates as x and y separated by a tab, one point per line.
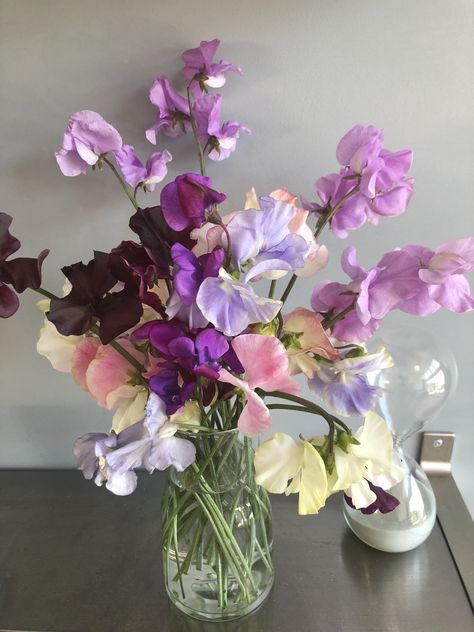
372	460
57	348
130	402
280	460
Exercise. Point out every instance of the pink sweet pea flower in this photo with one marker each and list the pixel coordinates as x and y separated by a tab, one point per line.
270	373
87	137
313	340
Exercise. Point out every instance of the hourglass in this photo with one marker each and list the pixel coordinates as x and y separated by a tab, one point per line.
412	393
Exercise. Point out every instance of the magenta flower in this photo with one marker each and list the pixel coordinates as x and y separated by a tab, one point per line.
200	67
173	111
185	201
135	173
87	137
270	373
220	140
21	273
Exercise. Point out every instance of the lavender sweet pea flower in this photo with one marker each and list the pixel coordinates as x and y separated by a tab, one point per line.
87	137
343	385
190	271
136	173
185	201
200	67
221	140
173	111
261	240
231	306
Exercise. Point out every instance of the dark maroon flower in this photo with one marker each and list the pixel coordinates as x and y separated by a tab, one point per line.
384	502
21	273
185	201
90	301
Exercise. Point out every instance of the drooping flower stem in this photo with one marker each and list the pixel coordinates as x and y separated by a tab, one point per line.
202	161
44	292
271	291
122	183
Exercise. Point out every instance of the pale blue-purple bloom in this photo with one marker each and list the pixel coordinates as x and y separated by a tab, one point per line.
112	459
220	140
189	272
200	66
261	241
88	136
231	305
172	117
343	385
135	173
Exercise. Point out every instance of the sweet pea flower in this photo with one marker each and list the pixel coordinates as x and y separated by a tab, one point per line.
384	501
136	174
88	136
185	201
173	111
310	339
21	273
281	459
231	305
190	271
149	443
270	373
262	242
371	460
317	256
343	385
200	67
221	140
373	181
58	349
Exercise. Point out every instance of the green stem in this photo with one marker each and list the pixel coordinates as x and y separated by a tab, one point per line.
330	322
288	288
122	183
271	291
202	161
44	292
310	406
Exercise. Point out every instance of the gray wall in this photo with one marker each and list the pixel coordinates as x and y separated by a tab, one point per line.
312	70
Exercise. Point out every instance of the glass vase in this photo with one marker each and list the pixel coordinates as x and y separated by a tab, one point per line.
217	531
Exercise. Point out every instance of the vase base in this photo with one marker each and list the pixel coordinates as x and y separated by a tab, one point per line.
197	608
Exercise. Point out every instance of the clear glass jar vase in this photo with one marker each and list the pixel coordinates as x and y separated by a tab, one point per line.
217	531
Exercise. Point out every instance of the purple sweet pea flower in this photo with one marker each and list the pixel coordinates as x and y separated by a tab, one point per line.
261	239
190	271
112	459
135	173
21	273
199	66
185	201
221	140
372	182
384	503
87	137
343	385
173	111
231	306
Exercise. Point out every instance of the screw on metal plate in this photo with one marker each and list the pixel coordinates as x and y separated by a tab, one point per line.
436	452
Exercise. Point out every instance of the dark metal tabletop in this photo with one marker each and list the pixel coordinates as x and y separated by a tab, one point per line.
76	558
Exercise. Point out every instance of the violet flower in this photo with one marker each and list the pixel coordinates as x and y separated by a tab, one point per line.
384	502
200	67
21	273
173	111
88	136
262	241
220	140
185	201
136	174
190	272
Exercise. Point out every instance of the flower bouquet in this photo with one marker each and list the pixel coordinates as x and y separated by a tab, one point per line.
172	332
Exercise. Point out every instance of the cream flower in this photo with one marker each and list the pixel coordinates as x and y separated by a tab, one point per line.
280	460
57	348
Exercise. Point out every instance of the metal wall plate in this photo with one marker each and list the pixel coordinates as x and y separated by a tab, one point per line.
436	452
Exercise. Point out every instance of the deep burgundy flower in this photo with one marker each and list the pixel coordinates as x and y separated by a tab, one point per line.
90	301
21	273
185	201
385	502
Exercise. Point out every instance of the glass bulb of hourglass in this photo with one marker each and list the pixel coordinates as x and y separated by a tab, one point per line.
413	391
